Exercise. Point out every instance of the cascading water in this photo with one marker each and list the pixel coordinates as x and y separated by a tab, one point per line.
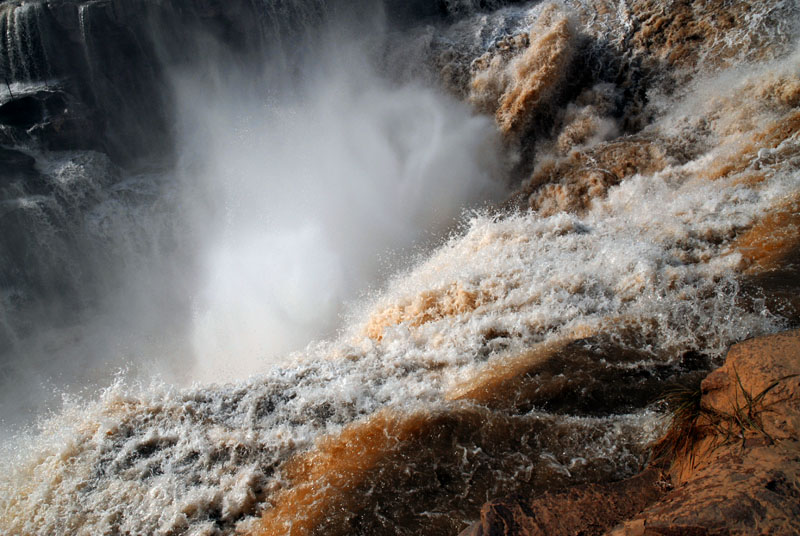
263	229
273	195
24	33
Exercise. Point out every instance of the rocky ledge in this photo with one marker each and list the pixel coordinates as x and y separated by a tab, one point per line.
730	463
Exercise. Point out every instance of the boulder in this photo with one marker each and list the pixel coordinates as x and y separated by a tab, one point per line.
742	477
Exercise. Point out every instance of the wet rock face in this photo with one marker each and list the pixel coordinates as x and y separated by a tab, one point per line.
108	61
91	74
49	118
18	171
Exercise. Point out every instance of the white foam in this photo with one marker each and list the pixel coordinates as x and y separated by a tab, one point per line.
155	458
653	257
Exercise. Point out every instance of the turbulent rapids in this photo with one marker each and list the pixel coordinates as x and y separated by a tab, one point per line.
304	267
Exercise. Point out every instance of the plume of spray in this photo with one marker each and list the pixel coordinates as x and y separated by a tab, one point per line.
294	177
297	193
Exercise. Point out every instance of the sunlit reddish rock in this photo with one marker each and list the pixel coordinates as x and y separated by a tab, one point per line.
765	367
742	478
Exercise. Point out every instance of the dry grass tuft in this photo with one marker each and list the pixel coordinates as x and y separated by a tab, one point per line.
686	426
745	419
691	422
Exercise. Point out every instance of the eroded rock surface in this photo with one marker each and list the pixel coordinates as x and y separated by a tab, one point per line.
742	477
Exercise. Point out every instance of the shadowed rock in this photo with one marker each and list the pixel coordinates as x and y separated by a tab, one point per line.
585	510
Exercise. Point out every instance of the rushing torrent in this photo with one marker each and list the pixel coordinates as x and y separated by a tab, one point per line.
357	267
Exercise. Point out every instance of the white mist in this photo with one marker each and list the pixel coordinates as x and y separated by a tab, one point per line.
295	196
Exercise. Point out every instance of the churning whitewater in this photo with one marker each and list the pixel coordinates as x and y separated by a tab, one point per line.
356	268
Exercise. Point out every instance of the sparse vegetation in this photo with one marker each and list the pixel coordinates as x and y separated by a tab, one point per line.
746	415
685	428
690	421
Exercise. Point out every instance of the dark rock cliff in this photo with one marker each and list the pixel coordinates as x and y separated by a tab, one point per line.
90	74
